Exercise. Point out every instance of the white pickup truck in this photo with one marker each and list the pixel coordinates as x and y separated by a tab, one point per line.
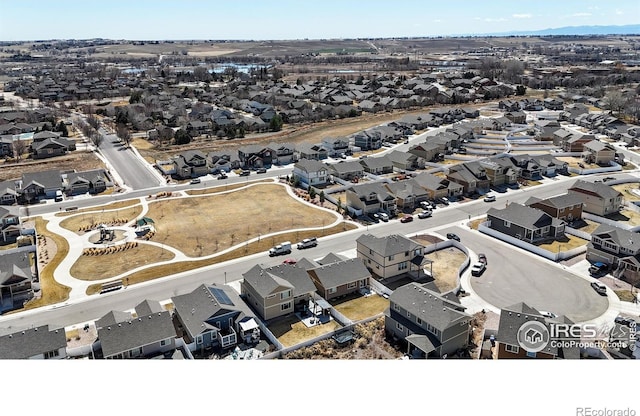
282	248
307	242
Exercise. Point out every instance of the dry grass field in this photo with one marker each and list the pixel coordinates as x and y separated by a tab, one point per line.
290	331
205	225
77	160
568	243
446	263
77	222
110	265
359	307
113	205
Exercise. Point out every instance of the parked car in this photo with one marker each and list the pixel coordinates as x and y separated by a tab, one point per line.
406	218
608	178
482	258
452	236
424	214
425	205
600	288
261	170
222	176
289	261
375	218
245	173
383	216
194	181
307	242
444	200
478	268
598	269
490	198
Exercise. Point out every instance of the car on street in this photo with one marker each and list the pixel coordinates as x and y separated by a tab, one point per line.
245	173
608	178
482	258
478	268
383	216
289	261
490	198
406	218
375	218
424	214
222	176
194	181
599	287
261	170
452	236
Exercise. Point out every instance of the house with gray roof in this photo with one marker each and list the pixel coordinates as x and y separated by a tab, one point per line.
346	170
36	185
513	317
89	181
369	198
51	147
378	165
214	317
148	334
311	151
618	248
340	278
405	161
391	256
9	225
549	165
598	198
335	146
223	161
37	343
500	171
471	175
408	193
598	152
430	324
311	172
525	223
567	207
16	278
9	193
277	291
191	164
282	153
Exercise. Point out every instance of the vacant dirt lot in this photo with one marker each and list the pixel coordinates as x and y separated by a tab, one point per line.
77	160
204	225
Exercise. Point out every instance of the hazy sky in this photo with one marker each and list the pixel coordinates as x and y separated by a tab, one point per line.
288	19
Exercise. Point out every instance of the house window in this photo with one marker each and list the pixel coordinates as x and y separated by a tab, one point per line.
561	210
370	251
285	295
199	340
399	327
368	261
396	307
331	290
271	296
406	253
507	224
285	306
363	283
418	321
512	348
51	354
402	266
163	342
390	258
408	314
531	354
351	285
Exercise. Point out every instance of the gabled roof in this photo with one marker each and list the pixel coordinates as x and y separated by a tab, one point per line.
619	236
365	189
15	267
346	167
527	217
310	165
429	306
376	162
560	201
340	273
389	245
49	179
20	345
265	283
595	188
406	188
401	157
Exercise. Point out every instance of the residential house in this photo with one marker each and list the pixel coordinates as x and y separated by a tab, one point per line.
428	151
598	198
223	161
197	128
36	343
528	167
405	161
90	181
598	152
310	151
191	164
340	278
369	198
311	172
567	207
525	223
546	129
346	170
367	140
432	325
438	187
512	318
9	193
214	317
516	117
255	156
500	171
391	256
335	146
277	291
9	224
471	175
148	334
16	277
282	153
575	143
42	184
549	165
408	193
51	147
6	146
378	165
618	248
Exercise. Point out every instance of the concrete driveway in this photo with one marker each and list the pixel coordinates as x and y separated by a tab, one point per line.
514	275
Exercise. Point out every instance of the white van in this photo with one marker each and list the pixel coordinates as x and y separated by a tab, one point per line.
58	196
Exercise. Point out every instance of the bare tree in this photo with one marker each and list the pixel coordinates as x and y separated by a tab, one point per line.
123	133
614	102
96	139
19	148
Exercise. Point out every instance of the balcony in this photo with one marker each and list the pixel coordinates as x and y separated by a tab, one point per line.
227	337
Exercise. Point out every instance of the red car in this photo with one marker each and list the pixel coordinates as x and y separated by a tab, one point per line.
406	218
289	261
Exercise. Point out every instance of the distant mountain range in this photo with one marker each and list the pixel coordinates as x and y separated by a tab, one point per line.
574	31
